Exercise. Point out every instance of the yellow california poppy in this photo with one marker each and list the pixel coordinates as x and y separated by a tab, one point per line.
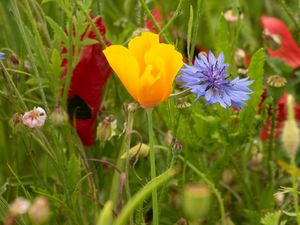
146	68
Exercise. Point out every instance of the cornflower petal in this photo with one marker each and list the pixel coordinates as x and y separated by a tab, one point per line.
208	78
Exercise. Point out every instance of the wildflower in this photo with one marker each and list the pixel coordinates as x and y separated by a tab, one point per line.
286	47
231	17
2	54
146	68
208	77
35	117
87	85
39	212
19	206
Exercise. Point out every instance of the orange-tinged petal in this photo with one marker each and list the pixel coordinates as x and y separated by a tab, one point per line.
125	66
152	85
140	45
172	62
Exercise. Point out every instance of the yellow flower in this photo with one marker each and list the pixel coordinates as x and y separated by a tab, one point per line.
146	68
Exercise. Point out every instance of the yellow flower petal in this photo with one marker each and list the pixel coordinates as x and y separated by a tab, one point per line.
152	85
140	45
125	66
172	63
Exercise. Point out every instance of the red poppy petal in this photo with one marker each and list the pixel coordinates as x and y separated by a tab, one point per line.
289	51
88	81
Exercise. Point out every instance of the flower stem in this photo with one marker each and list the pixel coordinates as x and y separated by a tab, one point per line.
295	191
271	141
139	197
153	168
151	17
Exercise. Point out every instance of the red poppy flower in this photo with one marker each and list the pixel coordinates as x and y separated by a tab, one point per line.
87	85
158	18
280	118
288	50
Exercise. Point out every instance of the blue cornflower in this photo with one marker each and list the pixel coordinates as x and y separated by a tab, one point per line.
208	77
2	54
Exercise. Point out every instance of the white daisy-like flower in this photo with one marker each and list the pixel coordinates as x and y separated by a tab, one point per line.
35	117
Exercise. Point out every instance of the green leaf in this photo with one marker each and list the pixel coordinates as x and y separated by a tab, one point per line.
56	61
87	42
73	171
272	219
256	73
223	39
247	117
190	26
57	29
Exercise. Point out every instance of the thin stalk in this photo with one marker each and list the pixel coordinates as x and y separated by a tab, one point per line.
115	189
196	27
153	167
28	48
271	140
8	77
295	189
289	13
151	17
92	24
70	60
37	35
140	196
210	184
175	14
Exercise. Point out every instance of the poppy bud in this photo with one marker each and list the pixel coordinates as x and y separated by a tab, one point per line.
196	201
59	116
106	216
137	150
290	131
276	81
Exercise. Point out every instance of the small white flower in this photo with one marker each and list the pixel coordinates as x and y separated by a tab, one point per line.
35	117
19	206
